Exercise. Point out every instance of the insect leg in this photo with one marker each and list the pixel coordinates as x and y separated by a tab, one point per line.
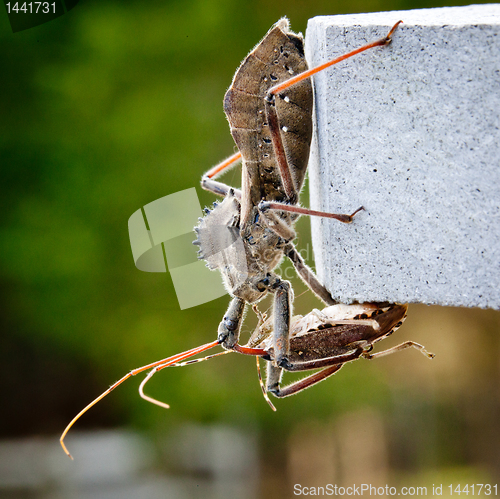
177	364
160	364
229	328
397	348
209	184
308	276
329	366
320	363
279	150
282	312
274	378
272	116
307	74
278	225
264	206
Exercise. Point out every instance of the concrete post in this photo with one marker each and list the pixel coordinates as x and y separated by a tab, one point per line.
410	131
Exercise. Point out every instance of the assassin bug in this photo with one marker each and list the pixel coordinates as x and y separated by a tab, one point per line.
269	108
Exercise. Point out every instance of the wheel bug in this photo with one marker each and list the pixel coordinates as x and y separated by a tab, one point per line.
269	108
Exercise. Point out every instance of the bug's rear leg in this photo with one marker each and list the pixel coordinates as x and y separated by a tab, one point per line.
209	184
308	276
398	348
229	328
328	367
274	122
274	379
274	374
265	206
279	149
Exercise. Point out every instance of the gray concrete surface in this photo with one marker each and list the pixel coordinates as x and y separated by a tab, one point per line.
410	131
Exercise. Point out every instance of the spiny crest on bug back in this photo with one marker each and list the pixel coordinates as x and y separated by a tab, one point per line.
217	231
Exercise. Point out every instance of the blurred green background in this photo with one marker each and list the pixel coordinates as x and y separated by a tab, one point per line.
119	103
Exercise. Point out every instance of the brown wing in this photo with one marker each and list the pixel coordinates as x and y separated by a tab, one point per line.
278	57
329	340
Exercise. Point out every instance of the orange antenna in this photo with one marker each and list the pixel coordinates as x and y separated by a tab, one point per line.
263	388
177	364
160	364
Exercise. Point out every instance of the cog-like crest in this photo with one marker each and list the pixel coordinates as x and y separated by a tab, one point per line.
217	231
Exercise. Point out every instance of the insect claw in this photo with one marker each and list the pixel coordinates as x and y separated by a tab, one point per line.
393	29
361	208
207	211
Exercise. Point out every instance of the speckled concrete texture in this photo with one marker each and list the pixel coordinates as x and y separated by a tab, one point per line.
410	131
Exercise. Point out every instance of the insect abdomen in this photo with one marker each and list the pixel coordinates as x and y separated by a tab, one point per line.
275	59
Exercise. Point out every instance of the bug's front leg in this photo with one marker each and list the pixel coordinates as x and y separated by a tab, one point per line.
275	126
308	276
282	312
229	328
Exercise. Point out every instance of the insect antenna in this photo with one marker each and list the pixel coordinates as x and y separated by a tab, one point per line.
160	364
177	364
263	388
